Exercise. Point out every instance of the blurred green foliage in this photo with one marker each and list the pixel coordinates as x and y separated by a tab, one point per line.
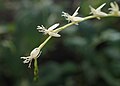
85	55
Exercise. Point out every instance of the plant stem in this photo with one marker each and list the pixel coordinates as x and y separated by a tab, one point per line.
43	44
36	76
63	27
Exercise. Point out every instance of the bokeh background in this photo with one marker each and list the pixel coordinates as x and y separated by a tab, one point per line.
84	55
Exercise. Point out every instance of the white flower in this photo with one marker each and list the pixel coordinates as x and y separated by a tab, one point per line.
49	30
114	10
97	12
73	18
34	54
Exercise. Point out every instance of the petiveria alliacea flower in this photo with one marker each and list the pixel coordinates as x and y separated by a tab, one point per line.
114	10
49	31
72	18
35	53
97	12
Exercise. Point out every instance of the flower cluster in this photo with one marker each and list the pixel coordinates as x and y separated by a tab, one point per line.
74	19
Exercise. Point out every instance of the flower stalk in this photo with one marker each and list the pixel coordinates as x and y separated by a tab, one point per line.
36	70
73	20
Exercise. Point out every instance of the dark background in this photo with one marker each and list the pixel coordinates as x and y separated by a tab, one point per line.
84	55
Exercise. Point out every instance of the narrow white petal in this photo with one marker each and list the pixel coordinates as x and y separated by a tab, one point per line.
117	7
76	12
98	18
26	61
92	10
112	5
41	30
23	57
100	7
29	66
38	26
53	26
54	34
64	14
110	9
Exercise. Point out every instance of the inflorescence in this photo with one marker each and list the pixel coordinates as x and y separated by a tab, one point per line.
72	20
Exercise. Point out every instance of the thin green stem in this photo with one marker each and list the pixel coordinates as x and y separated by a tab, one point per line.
43	44
36	71
88	17
63	27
